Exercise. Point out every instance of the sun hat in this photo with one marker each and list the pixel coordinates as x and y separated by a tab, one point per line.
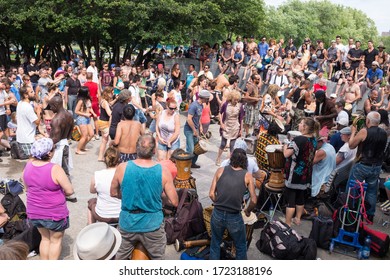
41	147
97	241
59	72
204	94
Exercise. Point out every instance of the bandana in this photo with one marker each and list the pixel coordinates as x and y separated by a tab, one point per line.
41	147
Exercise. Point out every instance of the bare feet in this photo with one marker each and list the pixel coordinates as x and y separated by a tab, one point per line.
296	221
80	153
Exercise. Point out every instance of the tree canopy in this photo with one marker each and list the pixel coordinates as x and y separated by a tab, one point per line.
118	27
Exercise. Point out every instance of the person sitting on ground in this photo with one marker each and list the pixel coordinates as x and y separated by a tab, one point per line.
98	241
323	164
104	208
3	216
127	134
335	139
345	155
14	250
226	191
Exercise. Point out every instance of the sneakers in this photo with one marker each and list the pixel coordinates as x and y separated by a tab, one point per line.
195	165
97	137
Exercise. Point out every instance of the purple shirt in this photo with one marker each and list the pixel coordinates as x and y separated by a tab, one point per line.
45	199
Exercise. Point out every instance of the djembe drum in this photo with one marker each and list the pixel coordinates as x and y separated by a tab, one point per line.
276	161
183	178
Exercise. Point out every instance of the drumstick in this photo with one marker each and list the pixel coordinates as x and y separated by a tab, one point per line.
180	245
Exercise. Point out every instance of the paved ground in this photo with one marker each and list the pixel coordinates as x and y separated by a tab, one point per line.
85	165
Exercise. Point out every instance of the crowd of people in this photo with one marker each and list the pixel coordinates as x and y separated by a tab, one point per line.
135	111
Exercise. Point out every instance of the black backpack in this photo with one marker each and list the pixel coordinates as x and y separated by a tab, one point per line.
281	242
17	151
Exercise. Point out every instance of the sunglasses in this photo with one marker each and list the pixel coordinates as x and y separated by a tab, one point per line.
173	109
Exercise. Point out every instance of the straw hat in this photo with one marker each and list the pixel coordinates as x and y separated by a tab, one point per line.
97	241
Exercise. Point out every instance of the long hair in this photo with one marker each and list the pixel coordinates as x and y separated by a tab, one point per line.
84	96
239	159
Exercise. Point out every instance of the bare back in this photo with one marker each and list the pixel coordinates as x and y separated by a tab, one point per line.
61	126
128	133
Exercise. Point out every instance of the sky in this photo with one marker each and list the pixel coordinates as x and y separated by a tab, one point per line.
377	10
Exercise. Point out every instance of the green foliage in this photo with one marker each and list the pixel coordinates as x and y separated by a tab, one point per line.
318	20
49	25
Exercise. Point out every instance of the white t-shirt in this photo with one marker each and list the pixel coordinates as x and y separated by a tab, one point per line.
236	43
252	165
342	115
26	127
94	71
347	154
106	206
135	94
208	75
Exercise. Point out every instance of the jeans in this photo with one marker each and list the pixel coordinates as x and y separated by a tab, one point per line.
221	220
190	142
370	174
72	104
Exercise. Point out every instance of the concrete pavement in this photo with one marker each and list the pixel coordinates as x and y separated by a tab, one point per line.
85	165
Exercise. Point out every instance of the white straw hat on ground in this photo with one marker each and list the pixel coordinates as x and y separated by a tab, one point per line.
97	241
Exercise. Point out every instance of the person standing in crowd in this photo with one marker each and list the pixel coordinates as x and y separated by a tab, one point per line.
299	96
127	134
33	72
29	117
104	208
355	55
94	70
191	128
299	154
141	218
252	102
325	110
227	190
46	186
168	130
71	90
60	132
104	119
84	113
95	97
231	119
117	111
105	77
372	141
369	54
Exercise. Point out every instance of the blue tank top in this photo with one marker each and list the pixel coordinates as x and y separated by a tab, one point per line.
141	188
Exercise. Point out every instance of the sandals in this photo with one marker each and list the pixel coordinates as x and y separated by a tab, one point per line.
218	162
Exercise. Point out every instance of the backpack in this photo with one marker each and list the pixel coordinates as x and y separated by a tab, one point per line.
11	186
14	207
280	241
17	151
188	219
322	231
380	241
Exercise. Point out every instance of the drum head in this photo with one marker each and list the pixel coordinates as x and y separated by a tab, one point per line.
280	124
273	148
249	220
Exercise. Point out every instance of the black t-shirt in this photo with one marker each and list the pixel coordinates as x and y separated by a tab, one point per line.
116	117
32	68
369	57
355	54
73	86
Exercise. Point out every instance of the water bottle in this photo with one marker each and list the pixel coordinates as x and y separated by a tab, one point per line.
366	248
271	210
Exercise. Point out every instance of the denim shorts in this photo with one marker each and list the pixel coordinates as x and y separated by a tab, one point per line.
81	120
165	148
49	224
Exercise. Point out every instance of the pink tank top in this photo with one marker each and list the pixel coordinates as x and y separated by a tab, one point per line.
45	199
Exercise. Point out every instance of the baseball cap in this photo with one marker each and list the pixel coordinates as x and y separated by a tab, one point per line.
346	130
299	55
375	63
313	56
333	95
204	94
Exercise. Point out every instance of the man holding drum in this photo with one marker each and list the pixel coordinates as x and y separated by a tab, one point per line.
191	128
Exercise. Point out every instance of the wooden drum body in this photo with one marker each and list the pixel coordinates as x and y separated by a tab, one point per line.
183	165
200	147
276	159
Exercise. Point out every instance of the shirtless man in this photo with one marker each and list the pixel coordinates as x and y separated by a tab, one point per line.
61	131
372	104
222	82
126	72
250	47
351	93
127	134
